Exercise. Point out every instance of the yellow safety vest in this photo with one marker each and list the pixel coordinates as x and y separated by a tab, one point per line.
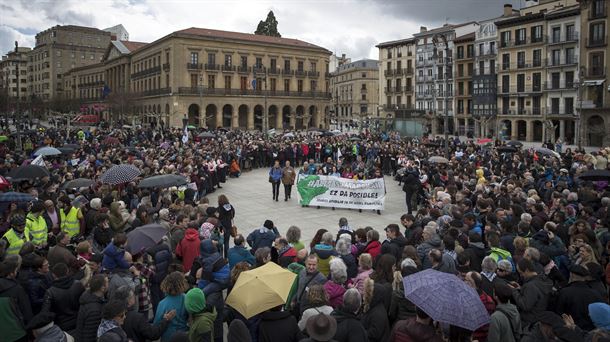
70	223
37	227
15	242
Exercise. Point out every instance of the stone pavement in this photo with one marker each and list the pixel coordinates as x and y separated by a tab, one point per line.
250	194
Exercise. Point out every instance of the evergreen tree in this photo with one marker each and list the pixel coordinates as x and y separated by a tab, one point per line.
268	27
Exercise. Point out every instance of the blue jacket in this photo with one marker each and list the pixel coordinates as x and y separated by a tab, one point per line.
214	267
275	174
261	237
114	257
179	323
238	254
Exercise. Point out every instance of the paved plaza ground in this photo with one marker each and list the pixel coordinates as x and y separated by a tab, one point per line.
251	196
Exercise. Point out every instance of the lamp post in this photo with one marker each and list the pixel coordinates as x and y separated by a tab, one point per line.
581	84
18	112
446	110
201	110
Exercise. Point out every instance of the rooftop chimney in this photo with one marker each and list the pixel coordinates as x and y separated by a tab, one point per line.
422	29
508	10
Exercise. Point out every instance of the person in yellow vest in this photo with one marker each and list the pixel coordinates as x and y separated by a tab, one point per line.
17	235
37	225
72	219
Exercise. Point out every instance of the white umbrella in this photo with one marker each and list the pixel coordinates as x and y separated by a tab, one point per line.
47	151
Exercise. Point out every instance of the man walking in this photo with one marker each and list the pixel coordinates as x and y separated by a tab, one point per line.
288	176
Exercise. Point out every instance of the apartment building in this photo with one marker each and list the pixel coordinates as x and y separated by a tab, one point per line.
397	86
434	72
218	78
8	73
594	103
58	50
464	71
355	90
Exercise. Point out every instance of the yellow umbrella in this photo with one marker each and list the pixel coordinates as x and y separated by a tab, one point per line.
261	289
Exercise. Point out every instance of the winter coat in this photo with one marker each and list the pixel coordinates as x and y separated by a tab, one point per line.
110	331
214	268
202	326
179	323
114	257
287	257
349	327
138	329
574	300
552	248
481	333
335	293
414	235
409	330
400	307
35	285
262	237
425	247
375	320
89	317
55	334
278	326
394	247
59	253
373	248
305	280
532	298
226	213
352	265
188	248
288	175
238	254
447	264
63	300
324	254
476	253
360	278
500	327
15	310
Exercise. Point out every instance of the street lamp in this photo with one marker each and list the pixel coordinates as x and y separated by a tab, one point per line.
445	61
581	84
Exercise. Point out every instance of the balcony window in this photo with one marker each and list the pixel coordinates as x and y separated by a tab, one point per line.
521	83
570	32
537	58
555	57
286	65
555	80
211	59
258	63
570	56
536	34
556	34
520	36
598	10
536	81
244	62
228	60
555	105
521	59
568	105
569	79
597	34
504	39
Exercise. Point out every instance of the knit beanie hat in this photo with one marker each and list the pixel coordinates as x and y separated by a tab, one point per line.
600	315
194	301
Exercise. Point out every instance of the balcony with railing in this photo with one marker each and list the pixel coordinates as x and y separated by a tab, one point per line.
597	41
486	53
564	39
274	71
243	69
287	72
595	72
487	71
388	72
228	68
520	90
300	73
426	93
562	62
257	69
193	66
156	92
515	43
147	72
314	74
558	111
407	71
560	85
212	67
251	92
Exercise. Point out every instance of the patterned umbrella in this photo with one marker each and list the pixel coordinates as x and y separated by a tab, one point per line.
446	298
547	152
15	197
4	184
47	151
78	183
162	181
438	159
28	172
120	174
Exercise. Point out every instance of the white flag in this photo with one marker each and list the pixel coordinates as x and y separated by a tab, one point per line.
38	161
185	135
339	155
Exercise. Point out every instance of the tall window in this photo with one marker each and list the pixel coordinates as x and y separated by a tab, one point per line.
273	64
481	49
597	9
313	85
492	47
505	83
520	36
259	62
570	32
555	57
556	34
211	81
536	81
243	83
537	57
520	83
569	79
521	59
194	80
460	52
570	56
536	34
555	105
227	82
568	105
597	64
228	60
286	85
597	33
506	61
313	66
300	66
287	65
194	58
244	62
211	58
555	80
272	84
505	38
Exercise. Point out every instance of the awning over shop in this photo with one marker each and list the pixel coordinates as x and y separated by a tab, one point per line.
590	83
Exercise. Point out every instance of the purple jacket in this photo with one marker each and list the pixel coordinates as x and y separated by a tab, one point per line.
335	293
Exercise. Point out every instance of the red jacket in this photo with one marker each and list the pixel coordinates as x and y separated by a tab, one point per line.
188	248
373	248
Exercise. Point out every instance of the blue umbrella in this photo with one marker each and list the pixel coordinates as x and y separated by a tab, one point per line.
446	298
15	197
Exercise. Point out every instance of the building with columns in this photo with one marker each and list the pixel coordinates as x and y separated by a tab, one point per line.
355	90
216	78
464	71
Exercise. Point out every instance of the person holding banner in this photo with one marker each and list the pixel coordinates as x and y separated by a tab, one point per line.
275	176
288	176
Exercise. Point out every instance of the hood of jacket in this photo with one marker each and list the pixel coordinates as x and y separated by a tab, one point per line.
341	315
434	242
324	251
379	294
63	282
113	251
400	240
191	234
227	207
7	284
418	331
288	252
207	249
89	298
334	290
105	326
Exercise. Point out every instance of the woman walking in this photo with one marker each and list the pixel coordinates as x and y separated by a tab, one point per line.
226	213
275	177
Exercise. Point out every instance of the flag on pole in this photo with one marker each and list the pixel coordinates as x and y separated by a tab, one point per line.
38	161
185	134
339	155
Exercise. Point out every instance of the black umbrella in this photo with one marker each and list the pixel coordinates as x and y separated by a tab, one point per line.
78	183
506	149
595	175
66	150
120	174
144	237
28	172
514	143
431	144
206	135
162	181
15	197
355	139
72	146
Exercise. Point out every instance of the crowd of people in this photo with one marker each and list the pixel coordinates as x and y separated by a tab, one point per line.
519	227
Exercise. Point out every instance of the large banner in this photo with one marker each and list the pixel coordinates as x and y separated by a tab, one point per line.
327	191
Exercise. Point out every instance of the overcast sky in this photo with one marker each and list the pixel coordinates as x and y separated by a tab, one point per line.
352	27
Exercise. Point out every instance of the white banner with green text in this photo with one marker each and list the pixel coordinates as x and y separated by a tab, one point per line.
328	191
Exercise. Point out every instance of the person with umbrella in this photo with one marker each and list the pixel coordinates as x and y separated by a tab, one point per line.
37	225
17	235
418	328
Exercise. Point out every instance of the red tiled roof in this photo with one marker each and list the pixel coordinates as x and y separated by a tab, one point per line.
249	37
133	46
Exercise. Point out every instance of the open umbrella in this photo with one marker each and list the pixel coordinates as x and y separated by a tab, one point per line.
28	172
595	175
446	298
206	135
3	138
4	184
545	151
438	160
484	141
72	146
47	151
65	150
144	237
15	197
288	135
78	183
120	174
514	143
432	144
261	289
355	139
506	149
162	181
